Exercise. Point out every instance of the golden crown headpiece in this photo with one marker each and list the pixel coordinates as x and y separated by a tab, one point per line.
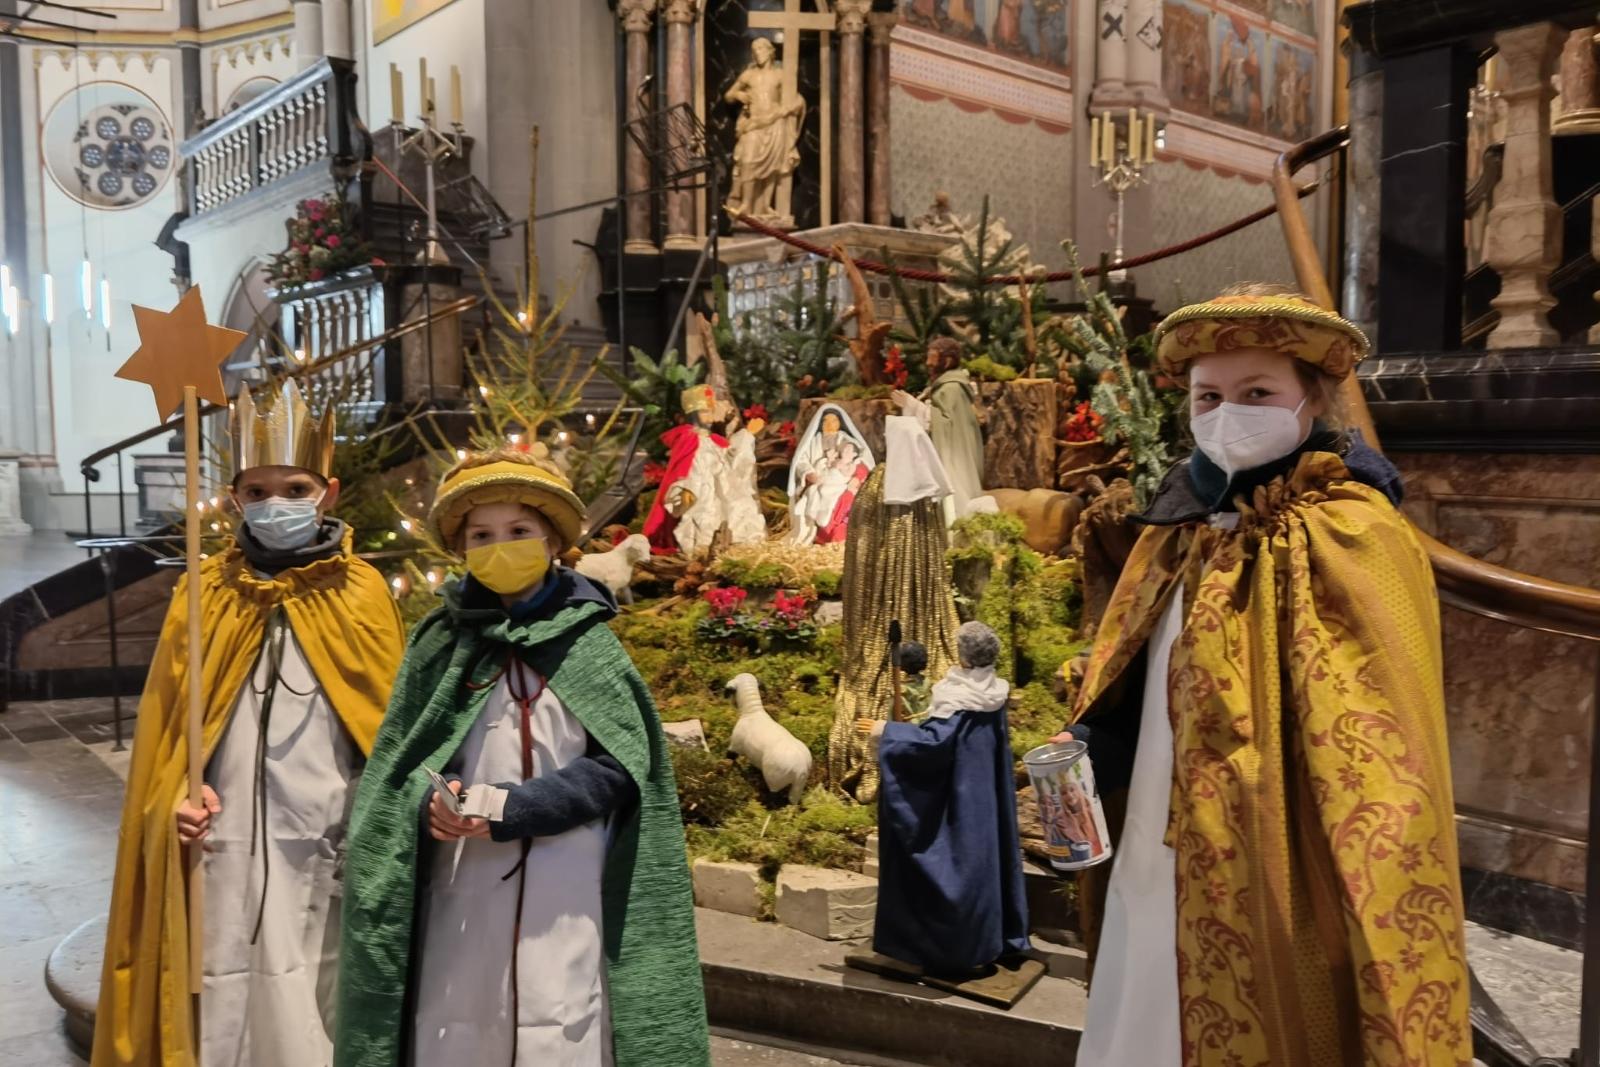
698	398
281	433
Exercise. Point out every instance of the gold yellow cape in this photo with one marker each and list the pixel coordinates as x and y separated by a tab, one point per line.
1318	891
347	625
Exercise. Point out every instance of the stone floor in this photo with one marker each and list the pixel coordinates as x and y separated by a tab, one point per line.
25	560
60	798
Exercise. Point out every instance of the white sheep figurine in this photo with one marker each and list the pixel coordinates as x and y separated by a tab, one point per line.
614	569
783	761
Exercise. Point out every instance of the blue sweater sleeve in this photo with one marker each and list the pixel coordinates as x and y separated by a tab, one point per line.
591	787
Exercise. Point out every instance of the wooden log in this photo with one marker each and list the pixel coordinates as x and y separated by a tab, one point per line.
1019	434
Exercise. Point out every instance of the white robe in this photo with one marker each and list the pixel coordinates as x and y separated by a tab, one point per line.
464	978
1133	999
708	472
270	1004
742	509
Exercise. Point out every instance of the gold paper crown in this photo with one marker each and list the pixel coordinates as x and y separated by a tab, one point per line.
281	434
699	398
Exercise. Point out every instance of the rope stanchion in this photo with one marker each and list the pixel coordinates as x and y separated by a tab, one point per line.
918	275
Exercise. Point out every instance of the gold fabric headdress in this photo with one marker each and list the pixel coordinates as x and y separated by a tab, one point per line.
509	481
1288	324
698	398
281	433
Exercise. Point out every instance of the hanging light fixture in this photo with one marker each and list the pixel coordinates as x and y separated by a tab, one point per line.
49	301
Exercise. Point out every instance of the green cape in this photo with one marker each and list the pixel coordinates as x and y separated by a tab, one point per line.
654	987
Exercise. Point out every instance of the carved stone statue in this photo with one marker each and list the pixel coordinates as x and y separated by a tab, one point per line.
768	136
940	218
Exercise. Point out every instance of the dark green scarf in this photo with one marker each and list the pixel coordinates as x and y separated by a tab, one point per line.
656	1000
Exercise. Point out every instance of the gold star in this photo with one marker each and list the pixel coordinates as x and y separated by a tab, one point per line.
178	348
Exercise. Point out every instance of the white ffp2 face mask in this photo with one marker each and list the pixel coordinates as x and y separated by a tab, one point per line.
1240	437
280	524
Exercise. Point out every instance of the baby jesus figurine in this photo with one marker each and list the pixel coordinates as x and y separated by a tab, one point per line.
950	890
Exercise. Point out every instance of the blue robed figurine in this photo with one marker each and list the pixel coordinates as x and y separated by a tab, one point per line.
950	890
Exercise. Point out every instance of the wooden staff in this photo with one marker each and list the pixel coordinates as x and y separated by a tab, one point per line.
899	712
196	660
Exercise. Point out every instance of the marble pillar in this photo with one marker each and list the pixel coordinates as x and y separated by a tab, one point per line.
879	205
11	524
1523	242
336	35
307	32
852	22
679	15
1111	54
1362	194
1579	83
635	16
1144	29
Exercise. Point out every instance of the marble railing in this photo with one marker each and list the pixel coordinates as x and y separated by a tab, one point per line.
326	317
305	121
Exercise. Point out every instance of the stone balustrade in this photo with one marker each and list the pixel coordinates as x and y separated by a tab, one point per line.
323	318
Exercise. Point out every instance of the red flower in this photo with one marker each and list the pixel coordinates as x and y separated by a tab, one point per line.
725	602
755	411
376	262
894	367
654	472
315	209
786	430
1084	424
319	233
315	274
333	240
302	247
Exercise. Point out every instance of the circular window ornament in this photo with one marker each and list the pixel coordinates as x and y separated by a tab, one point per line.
109	146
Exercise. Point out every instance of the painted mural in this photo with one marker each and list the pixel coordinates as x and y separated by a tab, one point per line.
1247	63
1031	30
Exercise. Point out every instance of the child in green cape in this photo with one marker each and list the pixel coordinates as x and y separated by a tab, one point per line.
486	924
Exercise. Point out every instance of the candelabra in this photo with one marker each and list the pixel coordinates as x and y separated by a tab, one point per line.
432	145
1119	152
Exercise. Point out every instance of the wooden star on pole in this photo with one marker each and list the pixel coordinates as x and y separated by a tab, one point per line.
179	348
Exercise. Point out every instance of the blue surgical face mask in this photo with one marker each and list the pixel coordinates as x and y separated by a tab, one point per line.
283	525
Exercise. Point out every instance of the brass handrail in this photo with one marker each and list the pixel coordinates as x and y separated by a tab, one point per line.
1464	582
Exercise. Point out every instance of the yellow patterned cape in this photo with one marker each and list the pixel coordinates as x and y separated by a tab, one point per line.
350	631
1318	890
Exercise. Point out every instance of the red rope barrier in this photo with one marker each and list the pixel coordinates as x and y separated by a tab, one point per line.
918	275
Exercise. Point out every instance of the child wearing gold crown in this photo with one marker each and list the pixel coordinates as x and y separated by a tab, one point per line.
536	910
1266	684
302	640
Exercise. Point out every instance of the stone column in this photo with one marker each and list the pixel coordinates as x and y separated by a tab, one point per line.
1523	242
1144	53
336	34
1580	83
307	33
679	15
852	16
1362	193
635	16
1111	54
879	205
11	524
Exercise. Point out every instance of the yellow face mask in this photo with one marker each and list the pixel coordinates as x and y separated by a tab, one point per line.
507	567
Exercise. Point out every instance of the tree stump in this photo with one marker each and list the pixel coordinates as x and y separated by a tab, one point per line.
1019	449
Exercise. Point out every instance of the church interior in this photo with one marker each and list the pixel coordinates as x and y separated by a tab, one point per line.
713	263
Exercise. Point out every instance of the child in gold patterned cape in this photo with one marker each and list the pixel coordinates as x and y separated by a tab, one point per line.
1266	683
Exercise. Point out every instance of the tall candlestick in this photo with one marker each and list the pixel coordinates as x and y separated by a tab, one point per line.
397	94
455	94
422	82
1094	141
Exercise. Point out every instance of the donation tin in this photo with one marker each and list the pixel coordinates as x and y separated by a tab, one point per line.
1069	805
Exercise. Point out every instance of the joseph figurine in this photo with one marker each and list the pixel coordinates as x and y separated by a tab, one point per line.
768	134
949	409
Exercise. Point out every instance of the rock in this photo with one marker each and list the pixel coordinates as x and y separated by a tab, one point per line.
828	613
1048	516
870	866
1019	434
832	905
731	887
689	733
868	415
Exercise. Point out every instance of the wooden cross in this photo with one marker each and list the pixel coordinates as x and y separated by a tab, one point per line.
790	23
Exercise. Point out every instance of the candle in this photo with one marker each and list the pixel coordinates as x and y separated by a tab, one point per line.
433	99
1108	148
455	95
1094	141
397	94
1135	137
422	82
1150	139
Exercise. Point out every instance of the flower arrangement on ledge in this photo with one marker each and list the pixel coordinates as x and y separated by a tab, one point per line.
322	242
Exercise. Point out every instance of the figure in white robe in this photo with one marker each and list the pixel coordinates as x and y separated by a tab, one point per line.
742	501
527	947
285	770
699	501
822	474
